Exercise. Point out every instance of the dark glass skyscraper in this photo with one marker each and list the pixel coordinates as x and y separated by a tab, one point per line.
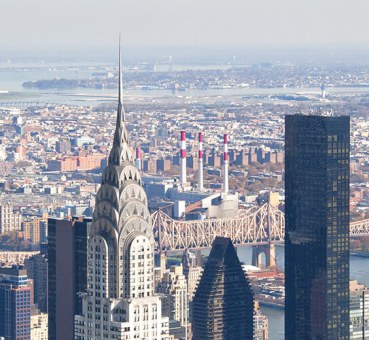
67	273
317	227
36	267
223	304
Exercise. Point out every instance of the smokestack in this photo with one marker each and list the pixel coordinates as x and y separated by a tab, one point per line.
183	178
225	164
138	159
201	171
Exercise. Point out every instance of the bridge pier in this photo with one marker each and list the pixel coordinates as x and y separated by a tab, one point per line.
270	255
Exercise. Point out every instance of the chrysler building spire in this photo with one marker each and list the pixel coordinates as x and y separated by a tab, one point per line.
121	114
121	302
121	150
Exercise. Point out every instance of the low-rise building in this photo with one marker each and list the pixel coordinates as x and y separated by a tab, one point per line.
39	327
359	311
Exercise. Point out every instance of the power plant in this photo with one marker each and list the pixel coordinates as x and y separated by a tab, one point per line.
193	201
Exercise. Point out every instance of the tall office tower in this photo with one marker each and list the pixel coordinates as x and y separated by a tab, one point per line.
359	311
192	270
43	231
120	302
15	304
36	267
317	227
223	305
173	286
67	274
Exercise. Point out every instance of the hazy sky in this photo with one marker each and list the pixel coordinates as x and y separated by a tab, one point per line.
183	22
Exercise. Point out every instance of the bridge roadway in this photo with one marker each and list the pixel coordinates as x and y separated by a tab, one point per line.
255	226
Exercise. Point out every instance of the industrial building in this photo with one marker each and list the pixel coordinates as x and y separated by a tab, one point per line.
193	201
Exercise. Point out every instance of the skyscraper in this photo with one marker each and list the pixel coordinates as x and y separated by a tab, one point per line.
67	274
36	267
317	227
15	304
173	286
192	270
120	302
223	305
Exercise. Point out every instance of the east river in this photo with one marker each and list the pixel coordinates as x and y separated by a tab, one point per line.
359	270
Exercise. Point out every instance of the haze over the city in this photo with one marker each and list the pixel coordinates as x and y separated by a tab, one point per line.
244	27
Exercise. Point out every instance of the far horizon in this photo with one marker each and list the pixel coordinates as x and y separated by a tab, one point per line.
324	54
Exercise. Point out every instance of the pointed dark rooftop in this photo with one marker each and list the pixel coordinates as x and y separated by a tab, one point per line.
223	252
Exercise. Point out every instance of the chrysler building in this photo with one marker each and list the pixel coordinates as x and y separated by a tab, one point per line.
120	302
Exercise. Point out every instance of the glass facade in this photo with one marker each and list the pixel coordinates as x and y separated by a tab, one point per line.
36	267
317	227
15	304
223	305
67	273
51	251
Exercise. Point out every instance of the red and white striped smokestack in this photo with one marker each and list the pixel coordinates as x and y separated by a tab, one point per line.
201	171
138	159
183	177
225	164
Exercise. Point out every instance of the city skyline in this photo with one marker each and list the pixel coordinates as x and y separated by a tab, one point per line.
254	123
234	135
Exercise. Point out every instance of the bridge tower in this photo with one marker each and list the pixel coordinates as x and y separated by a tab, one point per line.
270	255
267	249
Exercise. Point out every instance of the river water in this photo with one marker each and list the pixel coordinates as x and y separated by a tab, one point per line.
12	77
358	271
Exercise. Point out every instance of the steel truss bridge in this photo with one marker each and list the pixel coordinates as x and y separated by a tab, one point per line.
16	257
255	226
25	103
